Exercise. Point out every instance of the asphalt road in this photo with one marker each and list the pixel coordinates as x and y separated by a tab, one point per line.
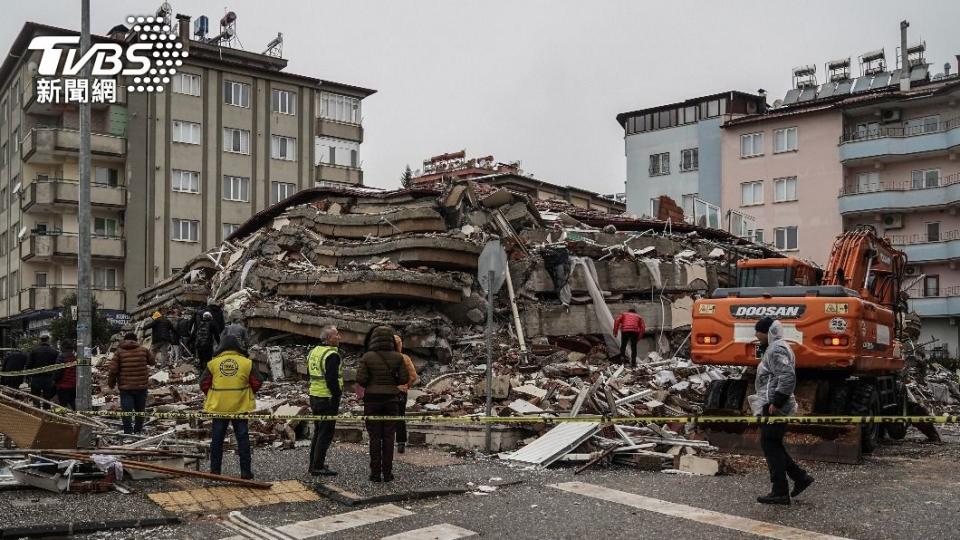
905	490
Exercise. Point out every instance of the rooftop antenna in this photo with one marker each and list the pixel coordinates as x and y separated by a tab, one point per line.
275	47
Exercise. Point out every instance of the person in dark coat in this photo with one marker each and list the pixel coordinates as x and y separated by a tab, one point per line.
66	378
14	360
43	355
163	335
205	338
380	373
237	330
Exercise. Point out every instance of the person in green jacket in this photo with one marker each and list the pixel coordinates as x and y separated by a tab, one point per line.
326	387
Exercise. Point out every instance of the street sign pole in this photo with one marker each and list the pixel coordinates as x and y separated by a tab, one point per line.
488	434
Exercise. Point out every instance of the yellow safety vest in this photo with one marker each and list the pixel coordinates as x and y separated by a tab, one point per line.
317	365
230	391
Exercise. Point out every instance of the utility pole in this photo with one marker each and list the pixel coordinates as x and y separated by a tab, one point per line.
84	319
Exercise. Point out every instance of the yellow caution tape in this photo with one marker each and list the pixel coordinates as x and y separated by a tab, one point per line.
34	371
694	419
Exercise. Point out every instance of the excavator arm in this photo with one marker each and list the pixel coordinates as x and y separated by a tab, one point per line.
867	263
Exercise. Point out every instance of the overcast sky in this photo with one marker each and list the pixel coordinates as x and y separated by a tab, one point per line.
539	81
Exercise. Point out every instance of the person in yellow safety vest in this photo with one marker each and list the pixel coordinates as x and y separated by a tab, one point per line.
326	387
404	388
230	381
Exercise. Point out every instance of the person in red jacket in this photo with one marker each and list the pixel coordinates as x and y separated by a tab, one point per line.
630	327
66	378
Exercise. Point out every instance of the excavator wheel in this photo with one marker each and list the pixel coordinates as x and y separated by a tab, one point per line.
839	394
716	395
736	393
865	401
898	430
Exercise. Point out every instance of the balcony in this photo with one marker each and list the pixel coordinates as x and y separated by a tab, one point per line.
339	174
941	303
900	140
52	245
340	130
51	145
52	194
32	106
919	247
53	296
899	195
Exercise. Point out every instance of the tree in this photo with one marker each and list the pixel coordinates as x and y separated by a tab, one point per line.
65	326
407	179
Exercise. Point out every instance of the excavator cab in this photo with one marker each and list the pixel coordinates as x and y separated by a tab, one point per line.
781	272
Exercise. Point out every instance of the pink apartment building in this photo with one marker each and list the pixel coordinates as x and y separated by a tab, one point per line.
879	149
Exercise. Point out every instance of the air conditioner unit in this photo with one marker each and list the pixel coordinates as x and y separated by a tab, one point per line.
893	221
888	116
911	271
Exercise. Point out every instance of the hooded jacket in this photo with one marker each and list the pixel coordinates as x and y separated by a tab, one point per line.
381	368
776	375
128	367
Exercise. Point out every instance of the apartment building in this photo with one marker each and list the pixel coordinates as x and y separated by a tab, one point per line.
902	175
675	150
173	172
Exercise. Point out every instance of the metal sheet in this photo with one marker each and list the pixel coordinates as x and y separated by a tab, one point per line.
919	73
862	84
792	96
880	80
827	90
808	93
843	87
556	443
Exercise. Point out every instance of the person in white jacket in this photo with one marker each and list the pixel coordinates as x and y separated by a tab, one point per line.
775	383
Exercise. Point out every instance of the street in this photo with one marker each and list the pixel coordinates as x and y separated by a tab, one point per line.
905	490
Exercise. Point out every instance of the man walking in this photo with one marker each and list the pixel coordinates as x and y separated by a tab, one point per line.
326	387
775	382
630	326
230	381
41	356
129	371
237	330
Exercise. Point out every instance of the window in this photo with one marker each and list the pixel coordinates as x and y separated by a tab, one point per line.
751	145
784	140
933	231
15	143
40	279
3	288
715	107
284	148
931	286
3	242
237	94
186	132
3	194
751	193
332	156
186	83
3	114
924	124
340	108
756	235
689	115
659	164
186	230
236	188
284	102
106	176
185	181
230	228
785	189
104	278
785	238
354	159
14	191
868	182
15	235
280	191
106	227
689	159
15	91
14	283
738	224
3	154
929	178
236	140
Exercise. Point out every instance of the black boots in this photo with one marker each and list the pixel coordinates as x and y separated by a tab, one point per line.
401	447
774	499
801	485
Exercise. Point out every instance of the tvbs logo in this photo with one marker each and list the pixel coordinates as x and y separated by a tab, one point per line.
147	63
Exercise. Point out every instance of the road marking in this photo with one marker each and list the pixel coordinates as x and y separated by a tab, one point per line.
737	523
444	531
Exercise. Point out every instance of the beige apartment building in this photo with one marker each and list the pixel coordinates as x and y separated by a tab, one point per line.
173	173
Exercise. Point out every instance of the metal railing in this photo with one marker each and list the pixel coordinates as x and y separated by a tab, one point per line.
920	291
899	131
93	181
898	185
922	238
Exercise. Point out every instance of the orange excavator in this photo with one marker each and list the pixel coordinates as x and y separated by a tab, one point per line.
843	323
